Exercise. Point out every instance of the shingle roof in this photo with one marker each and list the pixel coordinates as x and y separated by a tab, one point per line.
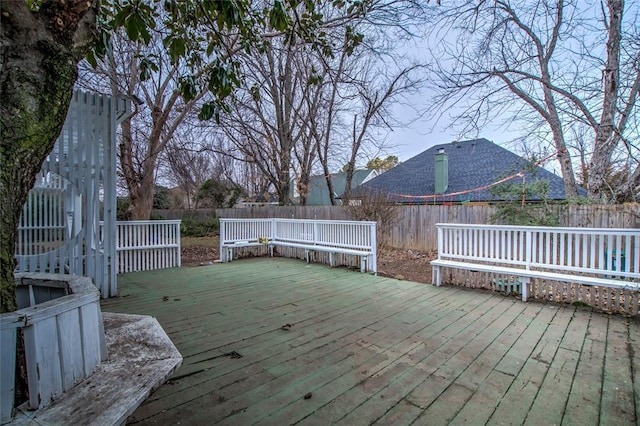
472	164
319	193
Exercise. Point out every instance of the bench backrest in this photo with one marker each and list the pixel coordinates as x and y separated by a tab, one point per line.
579	250
335	233
357	235
238	230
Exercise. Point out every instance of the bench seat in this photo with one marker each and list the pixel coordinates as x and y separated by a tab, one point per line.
528	273
308	247
332	250
606	258
319	247
354	238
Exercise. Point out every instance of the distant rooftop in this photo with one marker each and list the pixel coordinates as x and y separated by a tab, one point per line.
472	164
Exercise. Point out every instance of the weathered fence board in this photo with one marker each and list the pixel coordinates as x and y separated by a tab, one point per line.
63	337
415	226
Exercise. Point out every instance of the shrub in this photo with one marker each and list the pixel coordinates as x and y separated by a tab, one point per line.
512	210
192	226
122	207
374	206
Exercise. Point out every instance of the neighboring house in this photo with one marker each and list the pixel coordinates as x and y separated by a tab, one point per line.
180	198
260	200
318	194
457	167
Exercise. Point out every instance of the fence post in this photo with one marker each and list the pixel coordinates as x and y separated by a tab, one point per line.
274	229
315	232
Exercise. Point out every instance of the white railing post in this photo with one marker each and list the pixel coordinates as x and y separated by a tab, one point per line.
274	229
435	270
223	256
179	244
531	247
315	232
374	248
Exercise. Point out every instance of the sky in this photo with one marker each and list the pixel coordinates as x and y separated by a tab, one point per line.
422	134
408	141
433	127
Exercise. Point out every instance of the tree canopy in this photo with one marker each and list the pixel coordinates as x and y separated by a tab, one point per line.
383	164
43	41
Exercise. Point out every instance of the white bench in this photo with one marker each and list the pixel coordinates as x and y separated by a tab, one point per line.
356	238
588	256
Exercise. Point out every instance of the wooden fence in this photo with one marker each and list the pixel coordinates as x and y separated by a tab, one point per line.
415	226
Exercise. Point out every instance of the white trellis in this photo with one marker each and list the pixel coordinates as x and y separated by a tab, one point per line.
59	229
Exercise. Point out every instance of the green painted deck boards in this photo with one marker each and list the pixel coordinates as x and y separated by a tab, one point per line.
258	335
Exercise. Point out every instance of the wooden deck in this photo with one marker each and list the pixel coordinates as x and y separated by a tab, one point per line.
277	341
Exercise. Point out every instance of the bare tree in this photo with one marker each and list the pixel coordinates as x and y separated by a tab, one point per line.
189	166
375	206
552	59
263	121
160	111
302	97
368	74
374	103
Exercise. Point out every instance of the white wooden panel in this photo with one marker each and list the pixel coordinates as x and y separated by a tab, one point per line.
43	362
7	372
148	245
347	237
89	328
59	226
71	357
579	251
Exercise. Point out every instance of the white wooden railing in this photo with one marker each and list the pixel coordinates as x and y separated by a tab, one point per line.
146	245
588	256
588	250
356	238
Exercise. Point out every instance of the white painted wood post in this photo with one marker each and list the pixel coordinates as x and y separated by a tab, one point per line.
9	323
373	263
435	272
178	240
223	230
316	234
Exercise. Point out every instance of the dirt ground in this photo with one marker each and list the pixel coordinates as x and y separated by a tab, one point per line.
407	265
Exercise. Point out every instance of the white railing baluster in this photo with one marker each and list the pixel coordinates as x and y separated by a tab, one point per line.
594	251
346	237
147	245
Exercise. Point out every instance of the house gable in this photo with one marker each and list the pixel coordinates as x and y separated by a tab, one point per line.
471	164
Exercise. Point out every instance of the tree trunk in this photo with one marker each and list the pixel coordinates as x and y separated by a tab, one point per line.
142	198
607	136
39	55
140	179
284	180
566	167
